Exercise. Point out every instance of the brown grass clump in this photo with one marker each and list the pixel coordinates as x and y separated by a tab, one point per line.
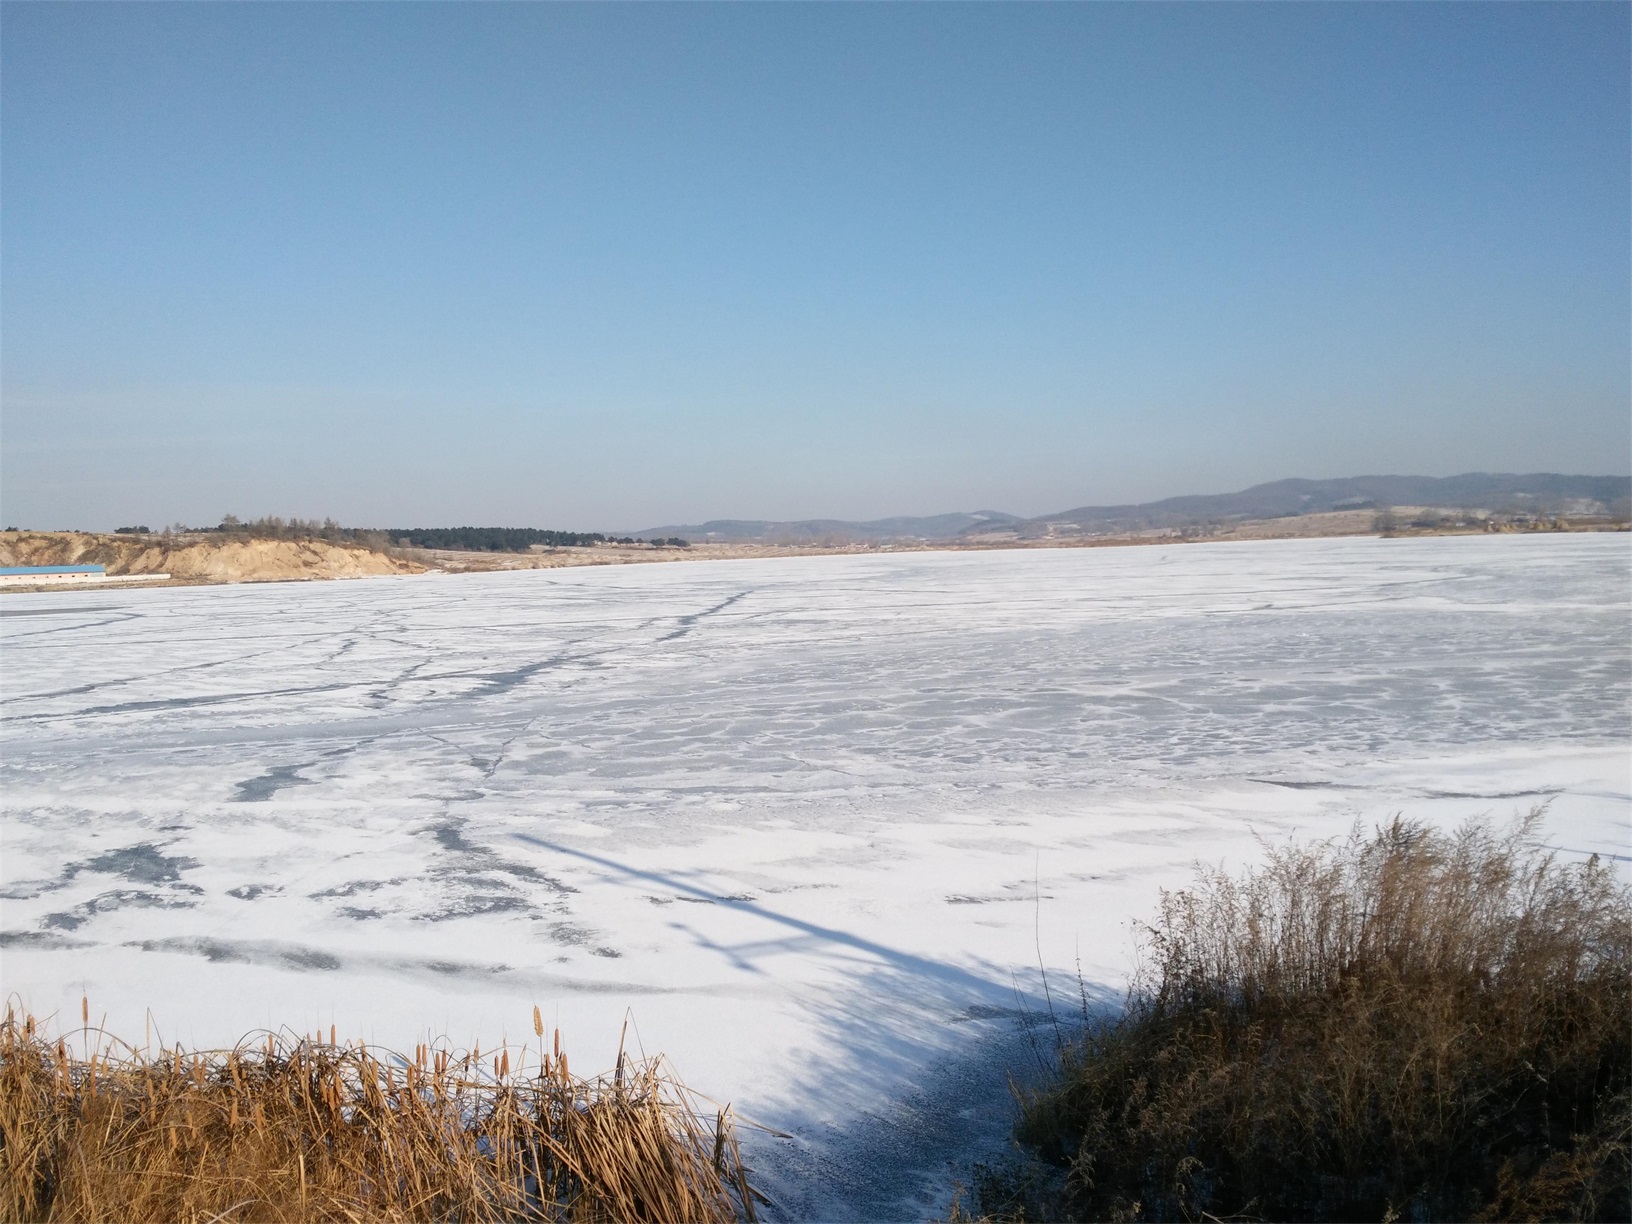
1409	1025
307	1130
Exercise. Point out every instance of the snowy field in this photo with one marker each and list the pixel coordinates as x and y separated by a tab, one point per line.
811	823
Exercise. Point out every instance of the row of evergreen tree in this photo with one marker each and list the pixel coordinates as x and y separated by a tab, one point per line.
510	539
463	539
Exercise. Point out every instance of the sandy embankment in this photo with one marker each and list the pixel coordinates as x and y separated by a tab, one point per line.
201	558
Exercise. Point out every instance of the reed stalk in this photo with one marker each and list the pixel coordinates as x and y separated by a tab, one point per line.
302	1128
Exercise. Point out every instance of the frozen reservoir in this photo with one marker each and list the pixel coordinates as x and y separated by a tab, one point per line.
811	824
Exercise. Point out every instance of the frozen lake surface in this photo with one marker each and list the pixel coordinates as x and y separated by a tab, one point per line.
811	823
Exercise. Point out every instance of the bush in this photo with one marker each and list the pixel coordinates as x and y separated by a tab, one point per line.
1413	1024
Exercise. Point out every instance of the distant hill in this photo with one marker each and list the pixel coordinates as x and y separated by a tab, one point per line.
820	531
1545	492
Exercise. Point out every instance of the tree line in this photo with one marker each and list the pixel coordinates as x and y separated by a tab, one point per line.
462	539
511	539
271	527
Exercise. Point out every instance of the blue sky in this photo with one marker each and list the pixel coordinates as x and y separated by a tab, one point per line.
617	266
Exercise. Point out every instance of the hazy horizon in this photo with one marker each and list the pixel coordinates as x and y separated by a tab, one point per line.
618	529
600	267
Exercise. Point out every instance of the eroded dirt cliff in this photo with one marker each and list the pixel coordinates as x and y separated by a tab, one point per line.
201	558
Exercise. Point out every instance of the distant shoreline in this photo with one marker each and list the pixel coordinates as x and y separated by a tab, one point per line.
202	560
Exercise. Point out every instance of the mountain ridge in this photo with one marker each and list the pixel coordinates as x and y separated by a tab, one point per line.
1538	492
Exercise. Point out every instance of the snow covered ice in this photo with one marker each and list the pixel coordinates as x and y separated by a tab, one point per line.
812	824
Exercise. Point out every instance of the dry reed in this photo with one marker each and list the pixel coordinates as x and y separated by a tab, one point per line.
1411	1024
305	1129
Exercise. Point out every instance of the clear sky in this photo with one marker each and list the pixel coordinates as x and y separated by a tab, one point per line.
614	266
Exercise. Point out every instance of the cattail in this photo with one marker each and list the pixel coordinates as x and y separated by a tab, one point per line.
192	1136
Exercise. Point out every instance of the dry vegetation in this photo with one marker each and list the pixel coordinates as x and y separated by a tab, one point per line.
1411	1025
307	1130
